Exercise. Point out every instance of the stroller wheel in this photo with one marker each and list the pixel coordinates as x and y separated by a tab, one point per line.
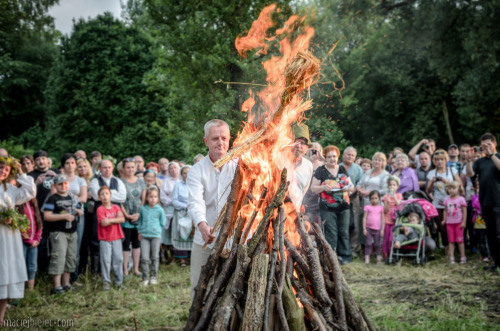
387	261
423	261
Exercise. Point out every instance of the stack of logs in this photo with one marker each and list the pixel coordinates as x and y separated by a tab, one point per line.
257	286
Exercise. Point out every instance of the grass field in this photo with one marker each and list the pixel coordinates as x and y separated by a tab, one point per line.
435	297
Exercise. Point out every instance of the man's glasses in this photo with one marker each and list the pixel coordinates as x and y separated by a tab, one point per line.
301	142
129	159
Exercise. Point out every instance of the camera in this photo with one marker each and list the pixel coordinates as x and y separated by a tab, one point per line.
438	179
478	149
425	146
314	152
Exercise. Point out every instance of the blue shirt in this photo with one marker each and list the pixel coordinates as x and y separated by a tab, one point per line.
151	221
355	172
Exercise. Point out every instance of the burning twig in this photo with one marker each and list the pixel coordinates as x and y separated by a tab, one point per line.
300	74
254	214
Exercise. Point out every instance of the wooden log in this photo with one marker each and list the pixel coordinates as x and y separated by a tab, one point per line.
317	280
208	269
314	316
294	313
357	322
235	290
270	275
334	265
248	226
279	294
219	284
275	203
253	317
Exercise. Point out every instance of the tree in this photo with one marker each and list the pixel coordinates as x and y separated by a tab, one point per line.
96	95
196	49
27	51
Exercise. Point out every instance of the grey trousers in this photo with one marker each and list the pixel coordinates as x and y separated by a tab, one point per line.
150	255
354	236
111	256
199	257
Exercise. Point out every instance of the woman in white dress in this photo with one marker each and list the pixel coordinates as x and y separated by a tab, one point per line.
12	266
166	191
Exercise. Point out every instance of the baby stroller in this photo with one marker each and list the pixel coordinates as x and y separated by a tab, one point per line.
414	247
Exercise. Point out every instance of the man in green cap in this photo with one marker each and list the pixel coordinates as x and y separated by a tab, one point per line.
303	167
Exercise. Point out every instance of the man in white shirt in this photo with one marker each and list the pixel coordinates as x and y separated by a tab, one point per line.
118	196
303	167
208	188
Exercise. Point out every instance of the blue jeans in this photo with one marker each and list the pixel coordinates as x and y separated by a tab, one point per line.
79	232
336	225
30	256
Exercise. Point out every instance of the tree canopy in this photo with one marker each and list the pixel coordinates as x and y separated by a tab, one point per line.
147	83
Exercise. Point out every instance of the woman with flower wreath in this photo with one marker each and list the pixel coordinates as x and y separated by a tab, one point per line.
333	185
12	266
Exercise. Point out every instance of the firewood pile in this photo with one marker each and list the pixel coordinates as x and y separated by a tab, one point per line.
266	282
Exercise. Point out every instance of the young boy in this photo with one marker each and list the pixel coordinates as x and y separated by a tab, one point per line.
61	213
109	231
409	233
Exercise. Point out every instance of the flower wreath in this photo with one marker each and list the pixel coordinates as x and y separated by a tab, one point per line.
13	164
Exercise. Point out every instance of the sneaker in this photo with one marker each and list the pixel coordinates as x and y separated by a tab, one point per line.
106	286
76	284
379	259
145	282
120	287
68	288
153	281
463	260
57	290
452	260
367	259
486	259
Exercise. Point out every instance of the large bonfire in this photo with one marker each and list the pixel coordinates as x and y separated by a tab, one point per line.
265	271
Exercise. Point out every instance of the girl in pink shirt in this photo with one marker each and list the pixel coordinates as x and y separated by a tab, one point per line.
391	200
373	226
455	216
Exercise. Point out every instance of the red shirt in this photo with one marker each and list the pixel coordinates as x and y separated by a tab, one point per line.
112	232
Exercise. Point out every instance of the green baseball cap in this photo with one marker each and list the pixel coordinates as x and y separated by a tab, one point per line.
301	131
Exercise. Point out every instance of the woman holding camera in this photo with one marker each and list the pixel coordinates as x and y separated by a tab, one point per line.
437	179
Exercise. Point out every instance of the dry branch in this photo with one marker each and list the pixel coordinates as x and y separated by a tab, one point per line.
275	203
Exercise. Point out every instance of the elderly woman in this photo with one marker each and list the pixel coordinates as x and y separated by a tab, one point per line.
333	184
166	191
181	224
311	200
13	271
407	176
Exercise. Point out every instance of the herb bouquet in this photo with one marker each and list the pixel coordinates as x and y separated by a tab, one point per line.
19	221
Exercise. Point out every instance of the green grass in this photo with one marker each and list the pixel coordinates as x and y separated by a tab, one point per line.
438	296
435	297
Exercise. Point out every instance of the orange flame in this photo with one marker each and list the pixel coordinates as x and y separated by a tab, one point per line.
266	160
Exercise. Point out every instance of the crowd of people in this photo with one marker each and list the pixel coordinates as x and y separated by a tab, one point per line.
84	218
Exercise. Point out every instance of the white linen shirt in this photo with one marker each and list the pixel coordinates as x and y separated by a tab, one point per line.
117	196
208	188
303	175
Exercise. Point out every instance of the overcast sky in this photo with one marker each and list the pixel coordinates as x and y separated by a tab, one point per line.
69	9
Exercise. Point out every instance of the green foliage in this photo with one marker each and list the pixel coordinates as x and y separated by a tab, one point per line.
96	96
403	62
195	49
27	50
15	149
